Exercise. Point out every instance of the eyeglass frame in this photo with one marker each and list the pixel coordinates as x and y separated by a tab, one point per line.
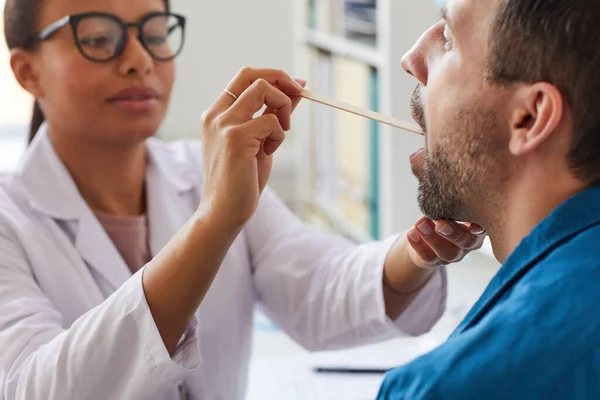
75	19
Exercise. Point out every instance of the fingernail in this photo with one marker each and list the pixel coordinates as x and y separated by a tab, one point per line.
477	231
414	236
425	228
446	230
298	84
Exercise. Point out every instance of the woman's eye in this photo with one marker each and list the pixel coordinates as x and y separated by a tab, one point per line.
96	41
156	40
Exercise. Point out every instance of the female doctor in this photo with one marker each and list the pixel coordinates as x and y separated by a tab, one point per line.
129	267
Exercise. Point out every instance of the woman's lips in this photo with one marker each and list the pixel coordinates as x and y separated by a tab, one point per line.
136	99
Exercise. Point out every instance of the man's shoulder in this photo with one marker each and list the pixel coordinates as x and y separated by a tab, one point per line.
580	381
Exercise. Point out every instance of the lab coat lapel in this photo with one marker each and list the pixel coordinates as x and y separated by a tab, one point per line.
98	250
170	194
575	215
52	191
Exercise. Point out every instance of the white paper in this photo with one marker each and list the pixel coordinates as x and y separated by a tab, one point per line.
295	379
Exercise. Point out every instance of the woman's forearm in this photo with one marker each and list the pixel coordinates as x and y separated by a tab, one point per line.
177	279
237	158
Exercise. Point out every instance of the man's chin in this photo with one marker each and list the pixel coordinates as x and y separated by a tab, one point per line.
435	214
435	206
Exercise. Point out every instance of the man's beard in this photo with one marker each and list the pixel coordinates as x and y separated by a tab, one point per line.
465	168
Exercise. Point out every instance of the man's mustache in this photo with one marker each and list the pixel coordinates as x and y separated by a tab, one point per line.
416	107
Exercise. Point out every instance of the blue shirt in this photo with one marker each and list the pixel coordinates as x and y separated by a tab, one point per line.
535	331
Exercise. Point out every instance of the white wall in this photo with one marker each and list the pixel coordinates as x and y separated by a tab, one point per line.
222	37
398	34
15	110
15	103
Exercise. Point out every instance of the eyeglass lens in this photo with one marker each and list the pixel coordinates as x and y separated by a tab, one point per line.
101	38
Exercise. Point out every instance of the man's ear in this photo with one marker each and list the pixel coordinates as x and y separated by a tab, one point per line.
23	66
537	113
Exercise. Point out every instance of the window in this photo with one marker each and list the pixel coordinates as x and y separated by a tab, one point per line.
15	110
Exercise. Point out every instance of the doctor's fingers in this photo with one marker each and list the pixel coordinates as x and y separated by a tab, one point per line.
427	256
259	94
295	99
445	250
246	78
264	131
467	237
251	101
276	77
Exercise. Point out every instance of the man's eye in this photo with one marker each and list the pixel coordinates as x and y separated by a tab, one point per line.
445	39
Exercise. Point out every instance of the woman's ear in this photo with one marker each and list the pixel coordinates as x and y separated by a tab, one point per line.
538	112
22	63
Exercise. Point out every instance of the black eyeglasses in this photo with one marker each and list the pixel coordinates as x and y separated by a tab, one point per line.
102	37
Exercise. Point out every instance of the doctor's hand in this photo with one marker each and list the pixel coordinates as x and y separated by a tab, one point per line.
436	243
415	257
238	148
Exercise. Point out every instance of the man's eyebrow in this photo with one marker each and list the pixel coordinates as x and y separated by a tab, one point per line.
444	15
447	20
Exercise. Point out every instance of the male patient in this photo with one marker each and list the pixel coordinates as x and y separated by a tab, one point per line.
509	95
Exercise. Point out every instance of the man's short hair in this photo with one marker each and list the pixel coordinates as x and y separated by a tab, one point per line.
555	41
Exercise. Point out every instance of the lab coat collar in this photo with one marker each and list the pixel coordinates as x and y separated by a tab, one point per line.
170	178
176	172
50	189
575	215
47	182
168	182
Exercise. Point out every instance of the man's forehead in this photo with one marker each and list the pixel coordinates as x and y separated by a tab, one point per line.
470	12
470	20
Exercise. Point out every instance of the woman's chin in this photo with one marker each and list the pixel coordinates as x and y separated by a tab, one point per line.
129	134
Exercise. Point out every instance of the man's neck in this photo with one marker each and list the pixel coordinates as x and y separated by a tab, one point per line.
111	179
529	202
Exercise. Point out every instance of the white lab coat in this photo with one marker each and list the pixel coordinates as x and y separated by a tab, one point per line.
74	322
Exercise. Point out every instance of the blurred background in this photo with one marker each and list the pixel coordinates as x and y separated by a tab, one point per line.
345	173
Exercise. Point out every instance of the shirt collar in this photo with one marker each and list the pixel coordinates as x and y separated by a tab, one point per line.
578	213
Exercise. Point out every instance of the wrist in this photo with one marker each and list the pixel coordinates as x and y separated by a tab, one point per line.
401	274
219	215
218	222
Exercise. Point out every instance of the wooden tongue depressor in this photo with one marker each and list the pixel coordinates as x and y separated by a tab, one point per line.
414	128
